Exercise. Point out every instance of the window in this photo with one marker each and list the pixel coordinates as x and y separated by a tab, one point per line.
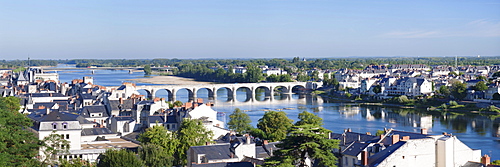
65	125
54	126
67	136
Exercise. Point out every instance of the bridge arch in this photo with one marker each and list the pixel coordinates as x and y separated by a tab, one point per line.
165	93
248	90
298	89
282	89
146	92
190	93
210	93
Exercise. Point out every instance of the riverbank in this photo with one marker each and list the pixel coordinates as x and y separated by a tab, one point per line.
169	80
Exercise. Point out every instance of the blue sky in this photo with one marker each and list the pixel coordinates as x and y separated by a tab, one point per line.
247	29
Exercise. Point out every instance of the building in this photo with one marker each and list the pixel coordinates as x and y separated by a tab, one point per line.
399	148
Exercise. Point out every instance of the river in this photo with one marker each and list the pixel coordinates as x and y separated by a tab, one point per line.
478	132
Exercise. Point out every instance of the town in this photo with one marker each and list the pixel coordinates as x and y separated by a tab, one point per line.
81	122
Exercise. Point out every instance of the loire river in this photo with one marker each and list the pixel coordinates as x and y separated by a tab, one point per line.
478	132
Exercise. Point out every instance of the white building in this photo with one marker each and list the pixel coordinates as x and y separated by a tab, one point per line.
85	141
398	148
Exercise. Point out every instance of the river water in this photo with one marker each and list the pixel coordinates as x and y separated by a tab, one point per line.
478	132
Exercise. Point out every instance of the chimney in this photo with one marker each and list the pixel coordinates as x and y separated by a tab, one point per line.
121	100
265	142
485	160
368	133
423	131
395	139
47	111
271	151
199	100
349	130
247	138
405	138
207	143
364	158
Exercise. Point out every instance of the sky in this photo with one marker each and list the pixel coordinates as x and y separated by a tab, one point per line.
200	29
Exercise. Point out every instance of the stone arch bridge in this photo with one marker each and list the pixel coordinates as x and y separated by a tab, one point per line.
269	88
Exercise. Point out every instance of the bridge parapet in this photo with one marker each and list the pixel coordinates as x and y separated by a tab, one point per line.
212	88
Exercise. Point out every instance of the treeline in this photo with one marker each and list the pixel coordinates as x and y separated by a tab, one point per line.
204	73
291	65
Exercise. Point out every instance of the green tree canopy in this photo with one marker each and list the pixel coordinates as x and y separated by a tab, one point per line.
274	125
480	86
119	158
155	156
53	145
191	133
159	136
458	90
377	89
309	118
305	141
17	145
239	121
147	70
496	96
444	90
253	74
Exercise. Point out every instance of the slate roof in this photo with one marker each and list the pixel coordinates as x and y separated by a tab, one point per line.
265	152
213	152
43	95
124	118
122	87
46	105
355	148
225	164
473	164
411	134
353	136
54	115
96	131
380	156
87	110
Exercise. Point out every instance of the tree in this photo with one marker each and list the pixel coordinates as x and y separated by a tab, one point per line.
53	145
76	162
458	90
480	86
274	125
177	103
377	89
147	70
159	136
17	145
496	96
190	133
305	141
379	132
119	158
444	90
253	74
496	162
155	156
309	118
285	78
239	121
272	78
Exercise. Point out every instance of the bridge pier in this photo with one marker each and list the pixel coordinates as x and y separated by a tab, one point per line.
192	95
173	95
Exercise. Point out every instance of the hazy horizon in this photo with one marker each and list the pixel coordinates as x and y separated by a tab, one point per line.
217	29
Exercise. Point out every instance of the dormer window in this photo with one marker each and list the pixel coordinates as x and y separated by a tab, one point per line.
65	125
54	126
